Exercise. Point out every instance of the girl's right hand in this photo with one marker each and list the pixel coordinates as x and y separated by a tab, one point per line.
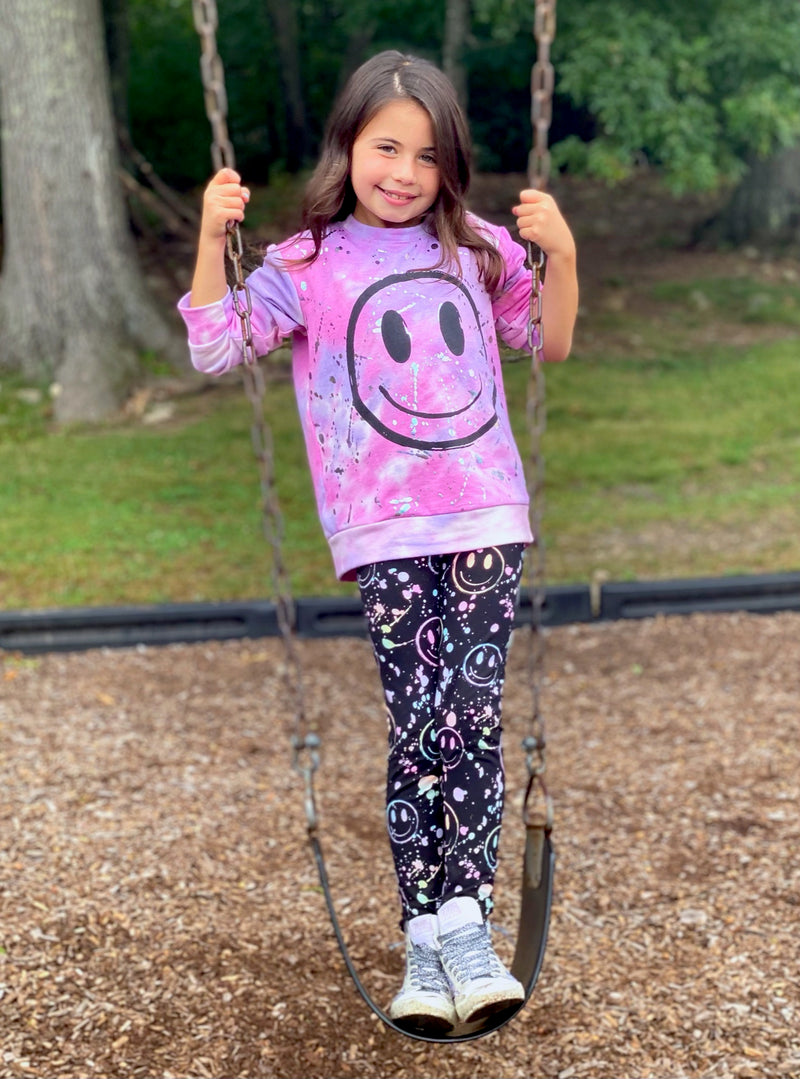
224	200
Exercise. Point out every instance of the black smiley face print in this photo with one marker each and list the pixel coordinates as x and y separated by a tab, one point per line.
419	381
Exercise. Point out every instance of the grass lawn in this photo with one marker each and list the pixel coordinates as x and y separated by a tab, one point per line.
666	468
672	449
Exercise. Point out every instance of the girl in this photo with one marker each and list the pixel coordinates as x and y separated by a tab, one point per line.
394	296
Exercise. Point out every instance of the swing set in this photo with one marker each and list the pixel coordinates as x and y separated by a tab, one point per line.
538	860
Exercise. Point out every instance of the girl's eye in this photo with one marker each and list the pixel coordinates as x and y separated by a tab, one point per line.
386	149
429	159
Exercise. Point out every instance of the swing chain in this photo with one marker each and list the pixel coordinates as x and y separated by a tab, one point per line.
206	22
542	83
534	743
310	744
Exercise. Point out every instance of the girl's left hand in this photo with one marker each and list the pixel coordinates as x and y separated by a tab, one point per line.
540	221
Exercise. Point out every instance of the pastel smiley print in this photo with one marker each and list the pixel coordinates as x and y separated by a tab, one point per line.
422	383
475	572
402	821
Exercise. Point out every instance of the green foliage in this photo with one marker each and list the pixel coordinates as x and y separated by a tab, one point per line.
697	89
599	158
166	124
168	120
504	20
499	93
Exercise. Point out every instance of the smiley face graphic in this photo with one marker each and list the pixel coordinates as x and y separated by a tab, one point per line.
482	665
490	848
451	747
367	575
402	821
428	640
419	381
428	744
452	828
475	572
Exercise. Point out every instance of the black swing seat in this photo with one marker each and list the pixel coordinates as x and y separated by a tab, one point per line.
534	919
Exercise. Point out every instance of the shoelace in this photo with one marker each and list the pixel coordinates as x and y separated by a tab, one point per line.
425	969
469	953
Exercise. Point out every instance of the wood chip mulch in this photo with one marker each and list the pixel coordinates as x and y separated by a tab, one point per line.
160	913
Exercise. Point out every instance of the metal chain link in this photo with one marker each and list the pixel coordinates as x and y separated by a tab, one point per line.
542	83
206	22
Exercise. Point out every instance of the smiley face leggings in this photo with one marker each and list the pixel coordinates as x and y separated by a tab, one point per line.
440	630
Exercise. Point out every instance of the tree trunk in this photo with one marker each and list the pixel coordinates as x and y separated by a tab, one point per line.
284	20
73	306
117	37
456	27
764	210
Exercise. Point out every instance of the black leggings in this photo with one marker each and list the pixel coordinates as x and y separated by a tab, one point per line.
440	629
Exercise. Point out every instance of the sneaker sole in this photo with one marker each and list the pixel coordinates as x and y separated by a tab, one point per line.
473	1010
432	1013
423	1024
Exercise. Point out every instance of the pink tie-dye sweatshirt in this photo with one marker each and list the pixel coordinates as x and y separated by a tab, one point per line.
398	384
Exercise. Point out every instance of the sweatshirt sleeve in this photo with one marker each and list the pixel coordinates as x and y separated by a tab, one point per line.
511	305
214	331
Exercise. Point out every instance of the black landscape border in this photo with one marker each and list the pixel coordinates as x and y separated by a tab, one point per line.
83	628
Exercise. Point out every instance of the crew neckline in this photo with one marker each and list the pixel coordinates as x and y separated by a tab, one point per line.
381	235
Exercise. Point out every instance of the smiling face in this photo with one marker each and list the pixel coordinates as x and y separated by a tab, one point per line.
393	166
414	380
478	571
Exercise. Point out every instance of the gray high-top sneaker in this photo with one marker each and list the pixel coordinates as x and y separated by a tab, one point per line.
480	982
424	1002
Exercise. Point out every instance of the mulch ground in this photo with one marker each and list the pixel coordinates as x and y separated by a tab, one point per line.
160	913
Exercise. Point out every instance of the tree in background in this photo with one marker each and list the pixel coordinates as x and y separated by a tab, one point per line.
456	32
118	49
707	91
287	44
284	63
704	91
73	305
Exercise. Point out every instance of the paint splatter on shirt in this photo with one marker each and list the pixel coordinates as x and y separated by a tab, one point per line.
398	383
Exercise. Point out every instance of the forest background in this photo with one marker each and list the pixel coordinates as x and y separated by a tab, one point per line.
672	441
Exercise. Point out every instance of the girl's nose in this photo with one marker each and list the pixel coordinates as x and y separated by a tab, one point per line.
404	170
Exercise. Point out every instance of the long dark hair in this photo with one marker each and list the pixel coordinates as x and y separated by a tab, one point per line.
390	75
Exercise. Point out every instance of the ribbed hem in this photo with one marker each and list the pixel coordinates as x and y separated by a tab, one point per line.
418	537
